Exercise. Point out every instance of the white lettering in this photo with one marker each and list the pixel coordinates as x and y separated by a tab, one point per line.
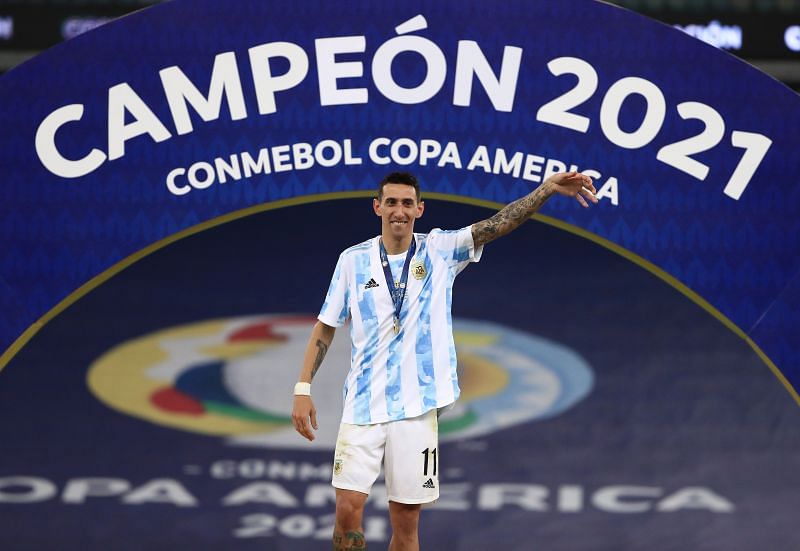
428	149
570	499
265	83
48	153
281	160
653	117
336	153
450	156
261	492
376	157
436	65
470	60
30	489
224	81
505	166
122	99
329	71
77	490
161	490
618	499
227	168
533	163
480	159
303	155
530	497
256	167
172	186
695	498
610	190
408	144
198	182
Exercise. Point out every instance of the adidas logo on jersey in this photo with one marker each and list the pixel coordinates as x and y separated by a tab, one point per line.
429	484
371	284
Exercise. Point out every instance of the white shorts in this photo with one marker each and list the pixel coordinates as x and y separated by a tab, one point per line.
407	449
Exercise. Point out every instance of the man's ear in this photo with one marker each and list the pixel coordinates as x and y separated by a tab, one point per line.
376	206
420	209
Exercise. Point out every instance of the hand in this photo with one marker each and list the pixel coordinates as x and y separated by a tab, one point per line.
573	184
302	411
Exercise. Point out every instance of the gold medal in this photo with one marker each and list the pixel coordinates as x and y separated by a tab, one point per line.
418	270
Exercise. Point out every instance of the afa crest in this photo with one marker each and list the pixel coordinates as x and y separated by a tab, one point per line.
418	270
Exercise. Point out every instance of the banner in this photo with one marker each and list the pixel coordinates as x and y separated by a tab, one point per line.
178	183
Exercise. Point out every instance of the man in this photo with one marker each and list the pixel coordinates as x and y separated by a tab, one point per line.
396	289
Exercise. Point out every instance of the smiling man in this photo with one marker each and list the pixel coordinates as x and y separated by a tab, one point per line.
396	289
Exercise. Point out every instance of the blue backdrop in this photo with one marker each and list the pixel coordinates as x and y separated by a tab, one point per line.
582	84
158	128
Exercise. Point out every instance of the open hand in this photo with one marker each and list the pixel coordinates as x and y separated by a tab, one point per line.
573	184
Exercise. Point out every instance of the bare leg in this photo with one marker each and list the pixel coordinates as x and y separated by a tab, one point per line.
405	526
348	532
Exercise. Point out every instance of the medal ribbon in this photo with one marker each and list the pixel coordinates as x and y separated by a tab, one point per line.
397	292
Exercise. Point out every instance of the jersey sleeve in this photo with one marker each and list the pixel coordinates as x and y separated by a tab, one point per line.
336	309
456	247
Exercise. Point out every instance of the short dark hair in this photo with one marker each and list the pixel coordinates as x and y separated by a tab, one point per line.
399	178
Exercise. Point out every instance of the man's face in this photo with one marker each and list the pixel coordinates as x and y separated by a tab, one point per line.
398	208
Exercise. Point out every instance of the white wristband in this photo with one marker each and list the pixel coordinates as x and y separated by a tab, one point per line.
302	389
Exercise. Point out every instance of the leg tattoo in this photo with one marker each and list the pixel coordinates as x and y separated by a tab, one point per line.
352	541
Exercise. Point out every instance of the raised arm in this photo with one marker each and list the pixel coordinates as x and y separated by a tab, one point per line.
303	410
572	184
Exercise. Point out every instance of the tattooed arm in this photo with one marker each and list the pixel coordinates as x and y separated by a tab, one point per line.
572	184
303	410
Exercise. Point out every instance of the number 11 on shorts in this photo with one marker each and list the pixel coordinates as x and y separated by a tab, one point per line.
429	452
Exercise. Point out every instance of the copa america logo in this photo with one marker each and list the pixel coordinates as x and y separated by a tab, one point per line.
233	378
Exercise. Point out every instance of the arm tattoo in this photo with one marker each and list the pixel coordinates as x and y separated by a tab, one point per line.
509	218
322	349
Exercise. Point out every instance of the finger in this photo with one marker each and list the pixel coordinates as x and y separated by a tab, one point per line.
314	419
586	192
307	431
300	427
582	201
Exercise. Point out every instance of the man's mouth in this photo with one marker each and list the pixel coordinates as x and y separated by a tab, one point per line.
398	222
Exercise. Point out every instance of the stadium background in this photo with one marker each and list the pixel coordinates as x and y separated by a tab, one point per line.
681	438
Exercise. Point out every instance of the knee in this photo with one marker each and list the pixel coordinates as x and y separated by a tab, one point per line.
348	514
405	518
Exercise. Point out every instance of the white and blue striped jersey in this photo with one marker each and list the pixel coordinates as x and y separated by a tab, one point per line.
405	375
